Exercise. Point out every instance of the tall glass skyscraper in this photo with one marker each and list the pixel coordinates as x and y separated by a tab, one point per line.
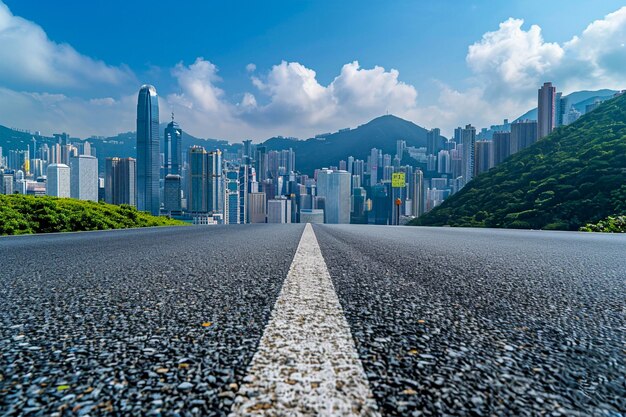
173	138
148	161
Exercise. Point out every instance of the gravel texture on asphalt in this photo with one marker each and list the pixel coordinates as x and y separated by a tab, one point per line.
484	322
136	322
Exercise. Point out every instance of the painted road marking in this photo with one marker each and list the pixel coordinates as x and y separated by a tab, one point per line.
306	364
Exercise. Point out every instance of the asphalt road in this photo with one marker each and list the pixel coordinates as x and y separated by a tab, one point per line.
445	321
113	321
484	322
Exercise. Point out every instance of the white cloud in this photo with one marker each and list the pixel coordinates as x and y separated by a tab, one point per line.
511	58
31	61
297	101
53	113
251	67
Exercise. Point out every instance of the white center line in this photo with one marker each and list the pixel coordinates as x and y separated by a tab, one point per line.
306	364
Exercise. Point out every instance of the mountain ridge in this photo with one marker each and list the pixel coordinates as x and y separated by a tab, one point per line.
574	176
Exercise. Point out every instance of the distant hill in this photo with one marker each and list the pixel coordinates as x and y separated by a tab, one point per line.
381	133
578	99
575	176
123	145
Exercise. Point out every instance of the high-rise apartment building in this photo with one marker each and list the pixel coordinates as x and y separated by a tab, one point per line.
483	156
433	141
120	181
148	159
84	177
468	139
501	146
546	116
58	180
523	134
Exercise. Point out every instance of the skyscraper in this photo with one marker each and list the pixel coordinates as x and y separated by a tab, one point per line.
433	142
334	186
546	110
173	138
417	199
468	139
148	160
216	190
120	181
260	162
205	180
84	177
197	195
58	181
231	197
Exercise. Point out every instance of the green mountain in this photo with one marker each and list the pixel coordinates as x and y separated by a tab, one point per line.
575	176
328	150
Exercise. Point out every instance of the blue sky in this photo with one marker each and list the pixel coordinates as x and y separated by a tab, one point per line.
438	82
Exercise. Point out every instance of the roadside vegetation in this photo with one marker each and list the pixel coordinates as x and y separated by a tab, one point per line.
21	214
612	224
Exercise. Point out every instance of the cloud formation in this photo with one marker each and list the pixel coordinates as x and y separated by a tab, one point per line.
31	61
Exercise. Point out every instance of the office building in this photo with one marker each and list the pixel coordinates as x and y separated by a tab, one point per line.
231	197
7	177
256	207
172	140
148	159
197	195
279	210
120	181
546	110
334	186
58	180
172	198
84	177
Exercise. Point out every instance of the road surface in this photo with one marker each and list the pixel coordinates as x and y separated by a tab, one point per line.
322	320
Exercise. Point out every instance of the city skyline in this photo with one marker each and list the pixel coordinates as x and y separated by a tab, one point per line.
300	95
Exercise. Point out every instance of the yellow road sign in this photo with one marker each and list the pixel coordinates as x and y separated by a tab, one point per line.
398	180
